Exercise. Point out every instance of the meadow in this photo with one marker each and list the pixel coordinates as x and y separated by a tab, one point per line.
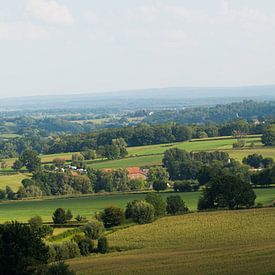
88	205
222	242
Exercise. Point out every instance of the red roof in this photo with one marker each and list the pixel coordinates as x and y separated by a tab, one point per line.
134	170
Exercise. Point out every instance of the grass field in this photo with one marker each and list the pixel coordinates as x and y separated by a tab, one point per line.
13	181
224	242
87	206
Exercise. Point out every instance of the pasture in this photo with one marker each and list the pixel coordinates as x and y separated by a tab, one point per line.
222	242
90	204
13	180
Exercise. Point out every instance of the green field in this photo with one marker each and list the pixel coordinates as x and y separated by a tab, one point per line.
13	181
88	205
224	242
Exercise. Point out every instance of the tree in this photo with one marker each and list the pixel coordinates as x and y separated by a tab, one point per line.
69	215
10	193
31	160
22	251
17	165
59	162
112	216
102	245
78	161
158	178
93	229
59	216
268	137
175	205
158	203
89	154
227	191
141	212
2	194
36	224
268	162
186	186
254	160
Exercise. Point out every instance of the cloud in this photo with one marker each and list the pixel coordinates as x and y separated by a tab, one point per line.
50	11
22	30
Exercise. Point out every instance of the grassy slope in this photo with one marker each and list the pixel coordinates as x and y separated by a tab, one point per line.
87	206
13	181
226	242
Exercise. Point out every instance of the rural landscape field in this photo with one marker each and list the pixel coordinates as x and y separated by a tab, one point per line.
137	137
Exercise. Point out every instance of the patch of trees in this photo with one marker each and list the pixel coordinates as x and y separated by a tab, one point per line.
258	161
264	178
247	109
227	191
268	137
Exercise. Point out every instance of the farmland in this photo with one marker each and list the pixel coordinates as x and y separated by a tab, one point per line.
88	205
224	242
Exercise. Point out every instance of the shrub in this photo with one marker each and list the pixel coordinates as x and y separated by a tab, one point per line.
186	186
158	203
175	205
59	216
93	229
59	268
80	218
102	246
64	251
112	216
69	215
129	209
143	212
86	246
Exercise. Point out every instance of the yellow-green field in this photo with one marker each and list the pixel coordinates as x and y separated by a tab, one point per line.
13	181
226	242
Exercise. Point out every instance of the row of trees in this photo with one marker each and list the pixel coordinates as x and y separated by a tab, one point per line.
142	134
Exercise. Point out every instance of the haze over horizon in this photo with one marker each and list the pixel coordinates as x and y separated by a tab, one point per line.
63	47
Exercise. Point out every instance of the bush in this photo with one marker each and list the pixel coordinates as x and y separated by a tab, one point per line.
85	245
64	251
59	269
186	186
112	216
69	215
102	246
93	229
175	205
158	203
59	216
142	212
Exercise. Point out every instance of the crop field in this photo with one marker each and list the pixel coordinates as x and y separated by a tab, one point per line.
88	205
224	242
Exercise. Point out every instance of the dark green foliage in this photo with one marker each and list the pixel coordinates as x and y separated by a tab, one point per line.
21	250
86	245
39	228
227	191
17	165
158	203
112	216
186	186
59	268
59	216
31	160
64	251
93	229
254	160
175	205
69	215
264	178
142	212
102	245
268	137
158	178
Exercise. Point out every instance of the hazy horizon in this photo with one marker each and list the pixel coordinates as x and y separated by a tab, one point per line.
58	47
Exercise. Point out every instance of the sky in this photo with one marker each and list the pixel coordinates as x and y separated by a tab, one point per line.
87	46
